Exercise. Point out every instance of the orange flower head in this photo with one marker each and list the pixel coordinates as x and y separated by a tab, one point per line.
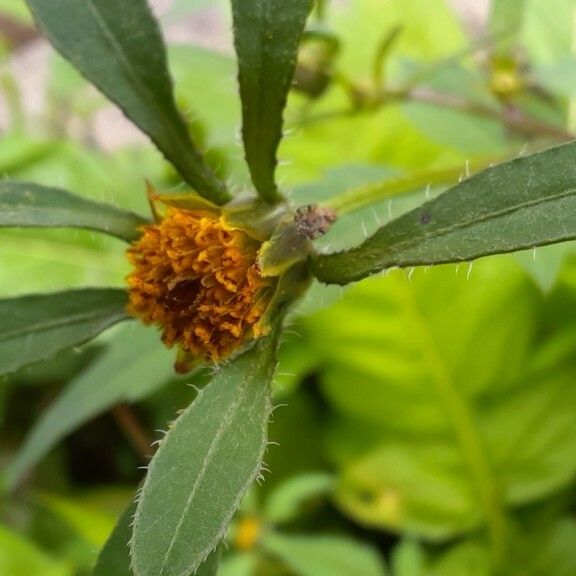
196	277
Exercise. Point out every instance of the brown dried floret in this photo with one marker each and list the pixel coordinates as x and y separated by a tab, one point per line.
196	277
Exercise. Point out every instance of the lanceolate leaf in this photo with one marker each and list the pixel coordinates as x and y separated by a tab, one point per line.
134	365
121	51
36	327
203	467
114	559
31	205
521	204
267	34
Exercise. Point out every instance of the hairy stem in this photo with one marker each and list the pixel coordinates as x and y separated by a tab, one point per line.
366	101
362	196
513	119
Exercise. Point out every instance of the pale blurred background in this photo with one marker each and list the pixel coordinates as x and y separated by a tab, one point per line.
203	26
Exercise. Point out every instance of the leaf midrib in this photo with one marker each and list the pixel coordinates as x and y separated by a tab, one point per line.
181	141
138	86
205	464
467	434
472	222
226	422
60	323
111	211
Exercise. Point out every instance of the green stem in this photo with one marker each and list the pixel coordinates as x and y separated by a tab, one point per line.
362	196
469	439
367	100
513	119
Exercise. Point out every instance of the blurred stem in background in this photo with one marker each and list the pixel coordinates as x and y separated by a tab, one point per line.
134	431
366	195
365	101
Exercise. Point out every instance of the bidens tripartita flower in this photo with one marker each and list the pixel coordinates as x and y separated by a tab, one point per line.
197	276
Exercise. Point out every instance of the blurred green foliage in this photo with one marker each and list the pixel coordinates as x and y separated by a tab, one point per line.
430	418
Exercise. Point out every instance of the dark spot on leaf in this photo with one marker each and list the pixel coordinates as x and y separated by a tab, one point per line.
425	218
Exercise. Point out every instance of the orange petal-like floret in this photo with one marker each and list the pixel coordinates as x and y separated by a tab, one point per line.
196	278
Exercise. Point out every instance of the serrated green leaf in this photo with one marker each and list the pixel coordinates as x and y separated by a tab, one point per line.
517	205
37	326
134	365
266	34
30	205
123	54
203	467
325	555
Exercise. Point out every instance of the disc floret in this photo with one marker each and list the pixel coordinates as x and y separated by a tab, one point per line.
196	277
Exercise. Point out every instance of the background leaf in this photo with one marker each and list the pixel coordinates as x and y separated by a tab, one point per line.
470	557
114	559
91	524
214	448
506	19
243	564
429	362
133	366
36	327
517	205
408	559
20	558
31	205
286	501
123	54
325	555
266	35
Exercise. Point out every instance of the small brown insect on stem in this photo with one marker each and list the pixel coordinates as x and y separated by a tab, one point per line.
313	221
